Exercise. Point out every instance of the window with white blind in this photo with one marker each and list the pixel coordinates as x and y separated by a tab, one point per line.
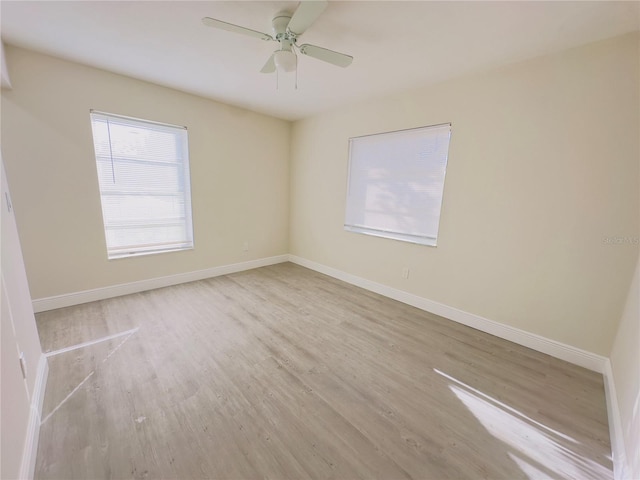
396	182
143	173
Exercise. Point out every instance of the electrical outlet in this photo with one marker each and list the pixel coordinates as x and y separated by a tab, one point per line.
245	246
405	272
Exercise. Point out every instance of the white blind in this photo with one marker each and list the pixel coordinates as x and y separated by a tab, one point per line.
395	184
143	172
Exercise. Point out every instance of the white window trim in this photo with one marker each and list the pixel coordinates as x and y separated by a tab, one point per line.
115	253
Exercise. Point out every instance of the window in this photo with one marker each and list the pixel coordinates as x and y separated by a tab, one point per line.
143	173
396	182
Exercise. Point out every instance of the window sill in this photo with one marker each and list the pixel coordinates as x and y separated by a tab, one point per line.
120	256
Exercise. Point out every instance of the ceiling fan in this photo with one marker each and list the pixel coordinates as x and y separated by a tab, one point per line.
287	28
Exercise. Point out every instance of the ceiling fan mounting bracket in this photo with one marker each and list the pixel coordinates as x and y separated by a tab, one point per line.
279	24
282	34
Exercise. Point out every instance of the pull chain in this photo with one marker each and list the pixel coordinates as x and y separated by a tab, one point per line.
113	170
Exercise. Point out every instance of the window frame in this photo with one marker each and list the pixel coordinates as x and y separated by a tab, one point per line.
183	177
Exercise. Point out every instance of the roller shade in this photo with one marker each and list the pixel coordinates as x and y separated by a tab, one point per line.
396	183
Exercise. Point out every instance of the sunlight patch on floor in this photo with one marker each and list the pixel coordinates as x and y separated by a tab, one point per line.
529	470
540	451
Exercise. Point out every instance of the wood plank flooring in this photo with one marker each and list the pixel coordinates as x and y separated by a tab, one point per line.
282	372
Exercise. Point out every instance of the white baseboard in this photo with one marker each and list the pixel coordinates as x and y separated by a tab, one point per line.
539	343
76	298
30	451
621	469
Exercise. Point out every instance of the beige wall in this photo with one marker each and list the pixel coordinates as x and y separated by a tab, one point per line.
239	175
543	166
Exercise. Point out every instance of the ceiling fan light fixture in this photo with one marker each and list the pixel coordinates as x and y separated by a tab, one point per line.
285	60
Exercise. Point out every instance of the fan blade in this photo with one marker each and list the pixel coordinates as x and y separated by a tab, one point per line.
326	55
307	13
230	27
270	66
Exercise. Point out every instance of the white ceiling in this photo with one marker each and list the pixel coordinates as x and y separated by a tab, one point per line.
396	45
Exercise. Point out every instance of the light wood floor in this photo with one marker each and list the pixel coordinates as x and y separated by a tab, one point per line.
282	372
